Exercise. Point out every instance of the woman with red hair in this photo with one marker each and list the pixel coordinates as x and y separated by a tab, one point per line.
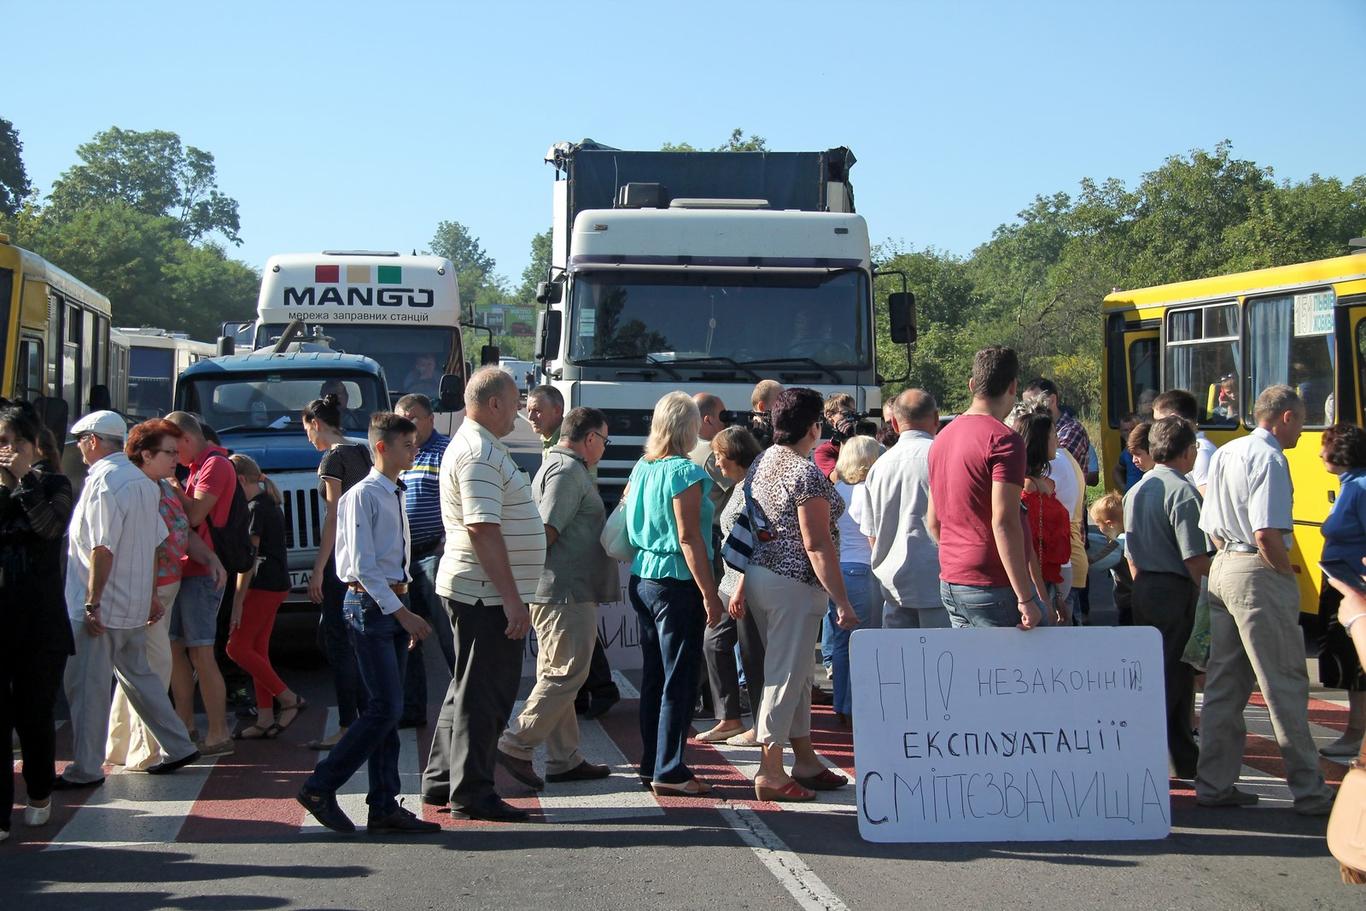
151	446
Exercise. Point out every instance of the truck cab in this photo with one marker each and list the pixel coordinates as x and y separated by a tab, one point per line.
254	402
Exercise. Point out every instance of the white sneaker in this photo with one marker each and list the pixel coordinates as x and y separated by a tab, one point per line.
37	816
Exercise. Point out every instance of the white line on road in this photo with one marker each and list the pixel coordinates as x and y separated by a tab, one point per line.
628	689
801	882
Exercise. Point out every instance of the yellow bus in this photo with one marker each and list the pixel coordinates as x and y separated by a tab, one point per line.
1224	339
55	339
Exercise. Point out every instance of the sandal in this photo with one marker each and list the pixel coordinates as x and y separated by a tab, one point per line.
255	732
693	787
827	780
716	735
297	706
792	792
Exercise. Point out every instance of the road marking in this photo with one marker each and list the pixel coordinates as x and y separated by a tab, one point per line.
800	881
134	808
615	797
628	689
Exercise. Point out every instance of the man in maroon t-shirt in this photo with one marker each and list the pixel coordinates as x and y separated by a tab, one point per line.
207	498
977	470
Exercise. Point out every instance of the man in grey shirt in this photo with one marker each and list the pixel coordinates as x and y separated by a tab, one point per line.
1168	555
905	557
578	575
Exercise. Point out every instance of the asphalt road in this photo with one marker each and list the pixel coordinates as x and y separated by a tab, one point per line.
225	834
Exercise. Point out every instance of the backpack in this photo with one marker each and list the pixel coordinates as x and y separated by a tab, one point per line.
232	540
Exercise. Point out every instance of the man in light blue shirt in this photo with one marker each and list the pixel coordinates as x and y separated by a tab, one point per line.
372	554
1254	612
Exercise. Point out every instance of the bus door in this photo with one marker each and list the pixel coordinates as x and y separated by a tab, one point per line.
1133	349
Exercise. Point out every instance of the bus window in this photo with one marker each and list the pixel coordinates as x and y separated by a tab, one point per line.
1290	340
89	356
28	373
71	361
1143	375
1204	356
6	309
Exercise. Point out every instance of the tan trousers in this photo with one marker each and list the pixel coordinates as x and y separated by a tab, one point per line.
130	742
565	637
1255	638
788	614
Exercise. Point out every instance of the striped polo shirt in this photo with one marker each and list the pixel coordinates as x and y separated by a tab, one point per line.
422	498
481	483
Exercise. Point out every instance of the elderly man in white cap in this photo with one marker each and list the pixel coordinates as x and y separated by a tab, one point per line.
110	599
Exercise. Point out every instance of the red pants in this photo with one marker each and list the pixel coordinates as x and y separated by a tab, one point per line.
249	644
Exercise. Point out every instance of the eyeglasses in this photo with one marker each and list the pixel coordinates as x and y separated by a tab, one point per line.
606	440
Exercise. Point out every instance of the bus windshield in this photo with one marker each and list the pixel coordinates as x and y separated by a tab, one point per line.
413	357
275	401
150	374
748	318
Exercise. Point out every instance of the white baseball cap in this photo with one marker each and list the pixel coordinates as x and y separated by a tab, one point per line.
104	423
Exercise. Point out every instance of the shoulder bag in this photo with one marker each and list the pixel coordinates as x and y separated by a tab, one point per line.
751	528
1347	825
615	538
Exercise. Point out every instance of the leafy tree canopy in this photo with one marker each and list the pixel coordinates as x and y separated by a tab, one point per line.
14	185
155	174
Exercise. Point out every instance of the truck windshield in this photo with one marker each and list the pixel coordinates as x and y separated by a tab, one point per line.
275	401
413	358
746	318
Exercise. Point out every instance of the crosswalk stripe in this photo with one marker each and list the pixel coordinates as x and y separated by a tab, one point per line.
250	794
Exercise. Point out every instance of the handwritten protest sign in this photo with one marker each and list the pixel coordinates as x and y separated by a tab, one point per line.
1004	735
617	627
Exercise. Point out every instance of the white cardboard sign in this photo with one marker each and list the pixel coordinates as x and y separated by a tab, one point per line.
970	735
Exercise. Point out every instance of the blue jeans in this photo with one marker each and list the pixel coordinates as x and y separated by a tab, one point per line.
672	623
863	593
381	647
971	605
425	604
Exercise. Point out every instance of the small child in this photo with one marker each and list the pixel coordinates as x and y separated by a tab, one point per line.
1107	514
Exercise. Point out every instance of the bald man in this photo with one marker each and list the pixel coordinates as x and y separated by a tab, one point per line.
905	557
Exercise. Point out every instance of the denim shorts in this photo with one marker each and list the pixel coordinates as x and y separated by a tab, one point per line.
194	619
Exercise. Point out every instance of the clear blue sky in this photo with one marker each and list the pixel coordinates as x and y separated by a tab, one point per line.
347	124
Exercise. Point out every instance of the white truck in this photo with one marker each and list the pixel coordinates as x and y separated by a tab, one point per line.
401	311
705	271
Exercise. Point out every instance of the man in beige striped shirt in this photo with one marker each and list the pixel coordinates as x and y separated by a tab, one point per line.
495	550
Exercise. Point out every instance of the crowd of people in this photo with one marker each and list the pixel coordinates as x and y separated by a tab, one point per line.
750	541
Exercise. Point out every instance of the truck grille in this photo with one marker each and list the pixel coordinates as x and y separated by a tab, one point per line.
303	516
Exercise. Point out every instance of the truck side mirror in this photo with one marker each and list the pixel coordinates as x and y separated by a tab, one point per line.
549	292
489	354
901	317
548	324
452	397
226	345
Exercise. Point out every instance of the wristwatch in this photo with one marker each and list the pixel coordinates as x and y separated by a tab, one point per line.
91	607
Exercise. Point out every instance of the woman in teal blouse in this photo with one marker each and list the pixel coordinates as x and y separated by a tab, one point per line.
672	589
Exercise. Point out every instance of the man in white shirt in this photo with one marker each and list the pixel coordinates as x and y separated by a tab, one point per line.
905	558
372	553
1254	607
1182	404
111	599
491	566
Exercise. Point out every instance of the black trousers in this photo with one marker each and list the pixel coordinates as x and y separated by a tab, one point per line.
719	649
599	683
1167	602
477	707
29	682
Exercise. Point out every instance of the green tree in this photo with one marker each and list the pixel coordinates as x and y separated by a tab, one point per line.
154	173
473	265
536	270
738	142
14	185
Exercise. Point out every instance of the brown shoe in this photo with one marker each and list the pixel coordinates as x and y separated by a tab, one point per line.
522	770
584	771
